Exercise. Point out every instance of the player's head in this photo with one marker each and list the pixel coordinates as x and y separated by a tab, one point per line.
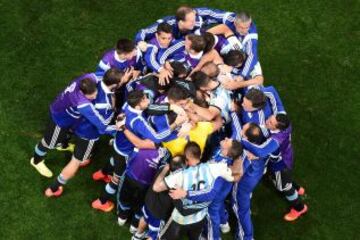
164	34
278	122
194	44
125	49
137	99
176	163
253	133
178	95
192	153
234	58
179	69
253	100
201	81
242	22
185	16
209	41
88	88
112	78
231	148
211	69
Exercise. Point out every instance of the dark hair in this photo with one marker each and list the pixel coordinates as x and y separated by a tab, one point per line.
283	121
256	97
181	12
197	42
164	27
112	76
125	46
193	148
176	163
177	93
234	58
178	69
87	86
236	150
209	41
216	69
135	97
200	79
254	134
201	102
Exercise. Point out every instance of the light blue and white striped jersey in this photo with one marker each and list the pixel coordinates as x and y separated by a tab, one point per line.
221	99
196	178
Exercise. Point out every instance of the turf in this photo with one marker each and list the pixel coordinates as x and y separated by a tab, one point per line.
308	49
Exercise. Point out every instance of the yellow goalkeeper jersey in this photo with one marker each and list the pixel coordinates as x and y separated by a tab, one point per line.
199	134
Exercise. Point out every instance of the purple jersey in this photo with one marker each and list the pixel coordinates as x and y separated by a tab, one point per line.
111	60
143	165
284	140
64	110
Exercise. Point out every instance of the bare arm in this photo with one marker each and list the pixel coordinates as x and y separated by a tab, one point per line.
221	29
237	169
159	184
233	84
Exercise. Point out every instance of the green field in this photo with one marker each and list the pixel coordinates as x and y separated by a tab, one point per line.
308	49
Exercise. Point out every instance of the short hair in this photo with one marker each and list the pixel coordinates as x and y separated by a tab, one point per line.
200	79
234	58
177	163
236	150
178	69
112	76
201	103
254	134
181	13
177	93
87	86
283	121
209	41
125	46
197	42
256	97
135	97
193	148
215	70
242	17
164	27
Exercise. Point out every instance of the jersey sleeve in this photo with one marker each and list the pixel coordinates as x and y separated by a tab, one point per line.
90	113
275	101
235	127
263	150
172	51
147	132
252	55
150	58
211	16
147	33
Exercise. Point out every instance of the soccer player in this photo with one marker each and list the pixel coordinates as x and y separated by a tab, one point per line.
256	143
219	99
68	109
126	56
280	167
139	174
87	132
240	30
197	176
259	104
184	22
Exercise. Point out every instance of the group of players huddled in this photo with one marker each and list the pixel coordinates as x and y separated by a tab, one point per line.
193	128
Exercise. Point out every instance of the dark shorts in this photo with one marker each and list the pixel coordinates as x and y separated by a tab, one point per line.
54	135
83	148
173	230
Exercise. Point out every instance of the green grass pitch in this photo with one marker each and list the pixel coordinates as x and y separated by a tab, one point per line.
308	49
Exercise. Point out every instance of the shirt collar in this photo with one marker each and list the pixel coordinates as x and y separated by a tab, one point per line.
133	110
105	88
116	56
196	56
